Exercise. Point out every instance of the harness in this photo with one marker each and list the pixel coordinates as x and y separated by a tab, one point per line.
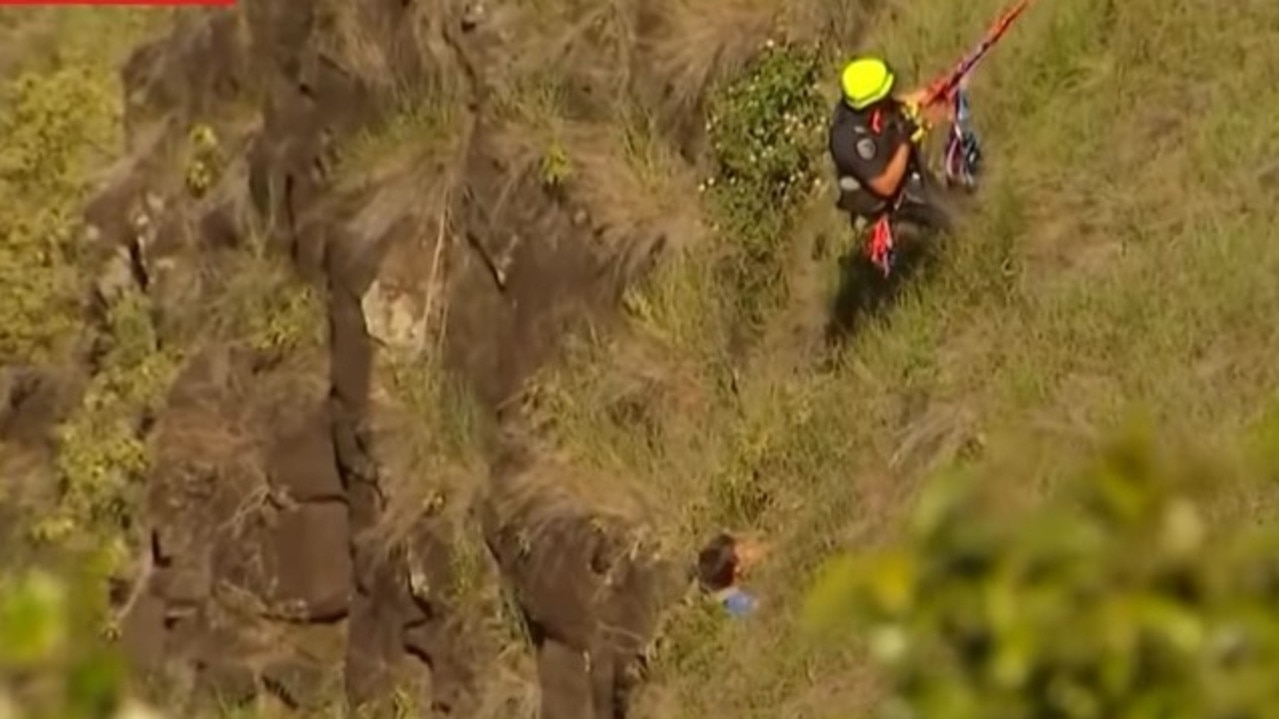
881	241
962	165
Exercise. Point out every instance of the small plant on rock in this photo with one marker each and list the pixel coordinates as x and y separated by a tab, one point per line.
556	166
204	160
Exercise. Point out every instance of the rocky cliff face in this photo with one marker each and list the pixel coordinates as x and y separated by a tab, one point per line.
295	545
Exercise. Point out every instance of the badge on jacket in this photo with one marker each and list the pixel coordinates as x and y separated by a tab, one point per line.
866	148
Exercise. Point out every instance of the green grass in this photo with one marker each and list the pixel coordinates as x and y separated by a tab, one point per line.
262	305
1121	257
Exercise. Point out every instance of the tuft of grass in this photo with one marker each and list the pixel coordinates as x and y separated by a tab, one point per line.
439	401
261	303
418	129
430	441
703	43
556	166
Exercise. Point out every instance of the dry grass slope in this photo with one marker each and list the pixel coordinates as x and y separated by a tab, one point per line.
1122	258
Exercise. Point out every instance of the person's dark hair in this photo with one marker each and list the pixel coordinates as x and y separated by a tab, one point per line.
717	563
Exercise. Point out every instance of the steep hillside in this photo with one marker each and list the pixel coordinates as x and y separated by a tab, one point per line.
406	351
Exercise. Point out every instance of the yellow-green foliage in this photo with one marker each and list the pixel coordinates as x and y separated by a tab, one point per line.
60	108
556	166
204	160
1117	599
101	457
51	666
60	104
54	127
286	320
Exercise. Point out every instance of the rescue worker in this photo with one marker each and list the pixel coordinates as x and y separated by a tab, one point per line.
875	138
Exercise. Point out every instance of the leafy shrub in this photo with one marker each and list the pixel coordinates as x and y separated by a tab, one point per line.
101	456
1116	600
53	127
765	129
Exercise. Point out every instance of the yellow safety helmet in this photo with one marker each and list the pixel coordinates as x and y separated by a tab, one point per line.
865	81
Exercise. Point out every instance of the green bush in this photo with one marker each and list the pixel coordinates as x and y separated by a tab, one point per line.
1117	599
101	455
765	129
54	127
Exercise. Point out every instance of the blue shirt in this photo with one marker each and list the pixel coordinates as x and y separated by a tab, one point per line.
738	603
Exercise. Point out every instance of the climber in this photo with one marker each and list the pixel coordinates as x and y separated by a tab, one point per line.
875	139
721	564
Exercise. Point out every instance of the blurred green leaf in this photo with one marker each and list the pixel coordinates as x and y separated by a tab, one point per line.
94	686
1111	599
32	619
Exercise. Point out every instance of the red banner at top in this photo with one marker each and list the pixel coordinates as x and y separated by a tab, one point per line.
120	3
